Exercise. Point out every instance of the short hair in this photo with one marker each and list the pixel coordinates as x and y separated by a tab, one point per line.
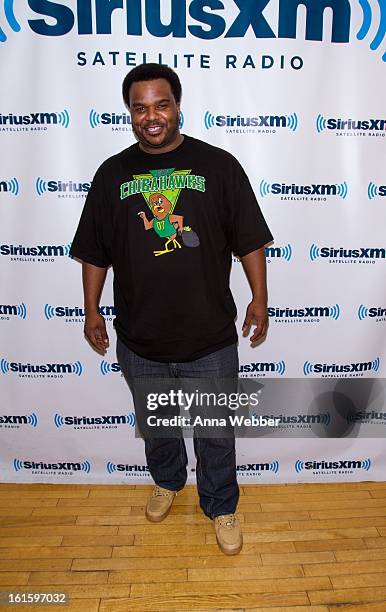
150	72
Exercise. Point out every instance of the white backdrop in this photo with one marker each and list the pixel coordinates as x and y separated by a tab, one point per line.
302	94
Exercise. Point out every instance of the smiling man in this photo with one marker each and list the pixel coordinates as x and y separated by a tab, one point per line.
167	213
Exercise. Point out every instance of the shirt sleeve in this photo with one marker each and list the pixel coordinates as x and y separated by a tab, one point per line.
249	230
91	242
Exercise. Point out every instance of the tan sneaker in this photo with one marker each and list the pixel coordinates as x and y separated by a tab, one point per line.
228	533
159	504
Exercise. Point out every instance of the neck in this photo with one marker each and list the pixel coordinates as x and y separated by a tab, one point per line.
163	149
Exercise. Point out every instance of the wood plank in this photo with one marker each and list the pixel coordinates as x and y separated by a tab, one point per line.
369	554
64	578
57	552
300	487
261	517
375	542
349	512
301	557
185	530
333	523
341	544
284	585
177	561
31	541
245	573
197	551
11	579
291	609
31	493
23	503
33	521
58	530
361	580
365	607
340	569
80	591
147	576
201	602
171	520
162	539
382	531
368	502
101	540
29	565
347	596
77	605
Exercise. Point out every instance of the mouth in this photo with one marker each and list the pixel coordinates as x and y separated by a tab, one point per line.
159	209
154	130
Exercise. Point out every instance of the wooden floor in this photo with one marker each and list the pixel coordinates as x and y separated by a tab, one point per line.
314	548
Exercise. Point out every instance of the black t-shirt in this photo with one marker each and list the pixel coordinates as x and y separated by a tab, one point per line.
168	223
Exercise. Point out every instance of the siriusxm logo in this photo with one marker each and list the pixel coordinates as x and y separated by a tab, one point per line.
333	370
116	119
260	369
279	252
360	254
109	368
60	466
12	310
95	422
74	314
45	253
128	470
255	469
313	192
33	121
300	421
373	312
10	186
31	370
267	123
336	466
311	314
371	418
61	188
203	19
14	421
374	191
371	127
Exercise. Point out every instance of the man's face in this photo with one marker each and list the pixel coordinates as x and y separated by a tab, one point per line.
154	116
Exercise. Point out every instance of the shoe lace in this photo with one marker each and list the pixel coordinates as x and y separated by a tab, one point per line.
227	520
160	491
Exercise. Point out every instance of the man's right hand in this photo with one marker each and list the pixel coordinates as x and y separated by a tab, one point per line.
95	332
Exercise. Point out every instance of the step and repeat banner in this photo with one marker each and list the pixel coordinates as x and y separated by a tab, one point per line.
294	89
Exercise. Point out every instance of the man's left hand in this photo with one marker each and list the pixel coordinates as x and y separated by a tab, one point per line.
256	315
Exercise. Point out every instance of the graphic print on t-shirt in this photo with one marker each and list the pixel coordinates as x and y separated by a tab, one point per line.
161	190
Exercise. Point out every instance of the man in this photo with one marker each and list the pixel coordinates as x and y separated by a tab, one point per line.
167	213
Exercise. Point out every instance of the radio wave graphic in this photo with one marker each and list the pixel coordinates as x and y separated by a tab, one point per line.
21	311
366	464
17	464
367	19
182	120
280	367
4	366
130	419
95	118
13	186
286	252
372	191
11	19
321	123
209	120
49	312
86	466
41	186
293	122
307	368
64	118
58	420
32	420
299	465
335	312
325	419
274	467
342	190
362	312
67	248
111	467
314	252
77	368
375	365
265	188
105	368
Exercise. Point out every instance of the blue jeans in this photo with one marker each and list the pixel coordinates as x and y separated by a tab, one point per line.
166	457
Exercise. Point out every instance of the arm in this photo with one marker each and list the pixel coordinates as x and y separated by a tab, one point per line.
95	326
255	270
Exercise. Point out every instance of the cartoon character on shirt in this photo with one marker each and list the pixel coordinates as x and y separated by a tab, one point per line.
167	225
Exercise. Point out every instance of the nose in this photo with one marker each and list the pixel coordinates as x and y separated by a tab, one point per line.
151	113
